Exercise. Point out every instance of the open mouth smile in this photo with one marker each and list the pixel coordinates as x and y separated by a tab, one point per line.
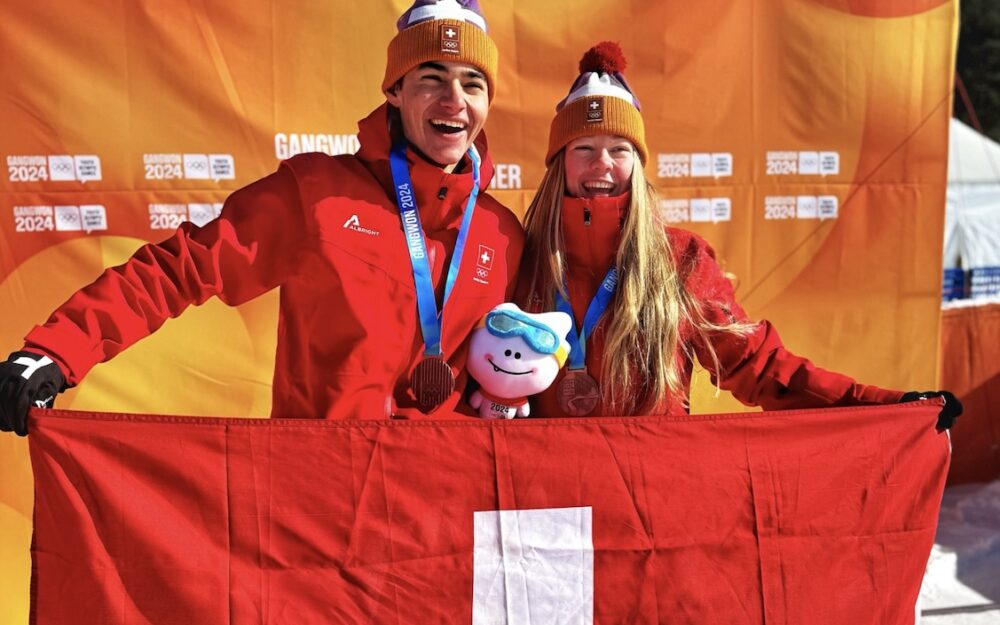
499	369
448	126
598	187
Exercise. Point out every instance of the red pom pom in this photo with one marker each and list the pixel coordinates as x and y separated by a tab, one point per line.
606	57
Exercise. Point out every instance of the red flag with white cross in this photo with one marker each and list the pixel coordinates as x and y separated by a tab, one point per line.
819	517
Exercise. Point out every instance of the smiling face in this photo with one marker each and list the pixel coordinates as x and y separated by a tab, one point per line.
443	106
599	166
508	367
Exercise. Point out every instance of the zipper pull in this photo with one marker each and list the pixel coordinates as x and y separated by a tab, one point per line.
442	192
586	215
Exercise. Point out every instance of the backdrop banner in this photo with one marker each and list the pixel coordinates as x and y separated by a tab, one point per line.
805	139
820	517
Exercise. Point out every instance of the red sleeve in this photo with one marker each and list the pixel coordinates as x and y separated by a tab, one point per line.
756	368
247	251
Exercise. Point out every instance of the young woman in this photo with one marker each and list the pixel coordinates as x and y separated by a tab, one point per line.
647	299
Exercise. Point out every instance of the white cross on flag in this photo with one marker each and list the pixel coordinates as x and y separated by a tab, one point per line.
595	110
822	517
485	259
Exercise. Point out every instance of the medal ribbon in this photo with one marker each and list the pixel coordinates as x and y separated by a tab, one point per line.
598	306
430	318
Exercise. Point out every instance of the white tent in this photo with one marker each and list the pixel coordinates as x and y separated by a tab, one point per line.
972	215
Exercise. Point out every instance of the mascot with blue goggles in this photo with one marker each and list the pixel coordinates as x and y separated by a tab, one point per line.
514	354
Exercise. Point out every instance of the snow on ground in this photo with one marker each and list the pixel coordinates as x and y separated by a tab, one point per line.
962	582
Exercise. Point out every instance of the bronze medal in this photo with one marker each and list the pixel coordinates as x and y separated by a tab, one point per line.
578	393
432	382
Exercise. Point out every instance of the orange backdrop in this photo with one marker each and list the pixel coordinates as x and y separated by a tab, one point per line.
970	368
806	139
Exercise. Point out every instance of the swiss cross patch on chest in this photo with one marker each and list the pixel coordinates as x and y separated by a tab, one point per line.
595	110
486	255
484	264
450	40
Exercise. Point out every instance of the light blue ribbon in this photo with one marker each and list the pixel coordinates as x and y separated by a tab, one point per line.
598	306
430	319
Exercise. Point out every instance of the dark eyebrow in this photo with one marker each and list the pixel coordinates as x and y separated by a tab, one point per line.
469	73
432	65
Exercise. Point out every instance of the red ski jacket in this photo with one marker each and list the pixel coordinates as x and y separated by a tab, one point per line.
327	232
757	368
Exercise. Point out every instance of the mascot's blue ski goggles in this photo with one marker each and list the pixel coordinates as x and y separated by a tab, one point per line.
541	338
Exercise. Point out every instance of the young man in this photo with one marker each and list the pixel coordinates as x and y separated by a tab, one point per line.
385	259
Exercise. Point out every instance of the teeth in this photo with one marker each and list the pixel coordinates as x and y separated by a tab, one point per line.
496	369
599	185
449	123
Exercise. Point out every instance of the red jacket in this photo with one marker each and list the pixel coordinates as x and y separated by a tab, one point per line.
327	232
757	369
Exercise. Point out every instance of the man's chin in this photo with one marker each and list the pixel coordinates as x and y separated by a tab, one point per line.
447	158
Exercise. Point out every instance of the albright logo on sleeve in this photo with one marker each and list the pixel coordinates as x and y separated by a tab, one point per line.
353	223
53	168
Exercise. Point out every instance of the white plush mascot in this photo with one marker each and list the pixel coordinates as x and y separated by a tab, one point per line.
515	354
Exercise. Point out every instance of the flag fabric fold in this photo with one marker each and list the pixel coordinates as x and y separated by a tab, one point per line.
787	517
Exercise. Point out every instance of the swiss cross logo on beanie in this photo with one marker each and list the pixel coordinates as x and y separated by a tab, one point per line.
450	42
595	110
602	91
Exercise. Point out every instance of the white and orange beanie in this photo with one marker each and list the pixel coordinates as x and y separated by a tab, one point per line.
600	102
441	30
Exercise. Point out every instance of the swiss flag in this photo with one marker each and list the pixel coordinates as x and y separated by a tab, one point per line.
485	258
795	517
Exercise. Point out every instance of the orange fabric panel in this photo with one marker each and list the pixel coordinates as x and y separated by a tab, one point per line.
806	140
970	368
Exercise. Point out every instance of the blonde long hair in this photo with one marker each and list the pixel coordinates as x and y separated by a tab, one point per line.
651	305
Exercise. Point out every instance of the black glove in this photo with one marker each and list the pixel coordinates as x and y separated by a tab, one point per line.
27	380
949	412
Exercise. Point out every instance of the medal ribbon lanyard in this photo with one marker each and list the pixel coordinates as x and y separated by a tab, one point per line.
598	306
430	318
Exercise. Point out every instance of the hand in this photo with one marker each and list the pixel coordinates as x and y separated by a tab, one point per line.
949	412
26	380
